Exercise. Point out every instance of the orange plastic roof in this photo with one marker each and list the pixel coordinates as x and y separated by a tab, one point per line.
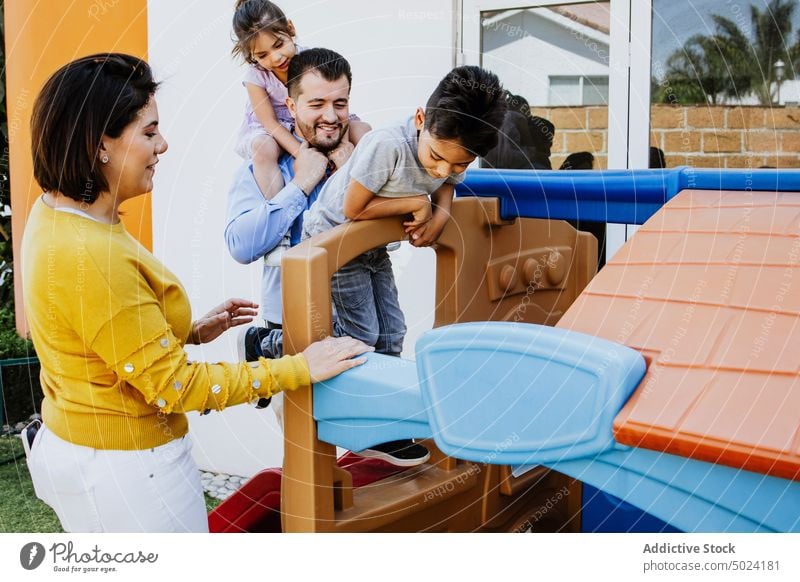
709	291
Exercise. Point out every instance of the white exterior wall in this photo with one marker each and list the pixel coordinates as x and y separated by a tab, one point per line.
397	56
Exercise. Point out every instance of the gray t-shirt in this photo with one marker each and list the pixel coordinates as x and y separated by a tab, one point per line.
384	162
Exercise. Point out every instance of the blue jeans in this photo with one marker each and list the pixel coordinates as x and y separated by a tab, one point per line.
365	302
365	306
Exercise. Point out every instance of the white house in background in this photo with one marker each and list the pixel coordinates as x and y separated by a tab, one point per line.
789	95
552	55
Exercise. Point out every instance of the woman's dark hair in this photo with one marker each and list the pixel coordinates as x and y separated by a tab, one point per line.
251	17
468	105
82	102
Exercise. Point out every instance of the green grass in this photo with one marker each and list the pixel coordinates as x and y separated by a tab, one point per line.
20	510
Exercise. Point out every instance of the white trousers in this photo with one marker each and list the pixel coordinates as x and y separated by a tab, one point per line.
93	490
277	406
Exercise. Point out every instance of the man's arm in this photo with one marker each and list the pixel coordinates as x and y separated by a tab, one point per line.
255	225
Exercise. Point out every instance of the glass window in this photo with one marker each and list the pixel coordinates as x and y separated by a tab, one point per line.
724	89
564	91
595	91
554	62
578	90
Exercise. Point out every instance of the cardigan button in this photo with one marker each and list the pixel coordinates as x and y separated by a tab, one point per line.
164	343
161	403
256	384
128	367
177	385
216	388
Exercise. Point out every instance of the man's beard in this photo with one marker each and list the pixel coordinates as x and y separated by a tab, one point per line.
324	145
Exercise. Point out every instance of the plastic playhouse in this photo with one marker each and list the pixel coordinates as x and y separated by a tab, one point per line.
660	395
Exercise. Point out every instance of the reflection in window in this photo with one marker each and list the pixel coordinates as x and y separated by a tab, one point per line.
724	91
554	63
734	53
554	59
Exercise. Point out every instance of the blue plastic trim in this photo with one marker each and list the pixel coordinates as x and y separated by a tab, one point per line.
511	393
619	196
363	433
691	495
374	403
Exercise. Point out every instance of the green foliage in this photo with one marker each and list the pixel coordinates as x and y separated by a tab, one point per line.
11	345
6	259
22	393
728	64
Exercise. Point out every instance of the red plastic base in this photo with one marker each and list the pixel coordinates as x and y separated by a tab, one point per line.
255	507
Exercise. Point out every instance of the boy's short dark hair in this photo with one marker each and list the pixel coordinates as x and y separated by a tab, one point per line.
468	105
329	64
83	101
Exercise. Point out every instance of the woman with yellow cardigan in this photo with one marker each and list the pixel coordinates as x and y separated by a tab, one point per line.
109	321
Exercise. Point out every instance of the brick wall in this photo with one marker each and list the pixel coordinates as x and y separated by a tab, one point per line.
700	136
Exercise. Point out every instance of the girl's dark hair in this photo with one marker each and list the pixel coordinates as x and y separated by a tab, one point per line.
468	105
83	101
251	17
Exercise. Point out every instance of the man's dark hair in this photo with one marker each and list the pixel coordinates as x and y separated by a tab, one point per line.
82	102
468	105
329	64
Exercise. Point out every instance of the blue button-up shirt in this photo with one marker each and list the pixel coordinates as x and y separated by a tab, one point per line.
256	226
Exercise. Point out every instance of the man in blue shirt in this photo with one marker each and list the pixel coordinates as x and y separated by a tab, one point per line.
257	228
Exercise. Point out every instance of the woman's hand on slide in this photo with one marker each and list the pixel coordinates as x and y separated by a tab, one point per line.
333	355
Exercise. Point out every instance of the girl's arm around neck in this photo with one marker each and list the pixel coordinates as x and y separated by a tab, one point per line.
264	112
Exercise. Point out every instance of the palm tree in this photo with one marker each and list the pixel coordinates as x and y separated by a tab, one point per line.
699	72
728	64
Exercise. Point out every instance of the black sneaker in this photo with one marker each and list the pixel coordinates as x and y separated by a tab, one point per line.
402	453
248	344
248	348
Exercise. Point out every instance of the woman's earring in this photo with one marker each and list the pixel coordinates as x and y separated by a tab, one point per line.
104	159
